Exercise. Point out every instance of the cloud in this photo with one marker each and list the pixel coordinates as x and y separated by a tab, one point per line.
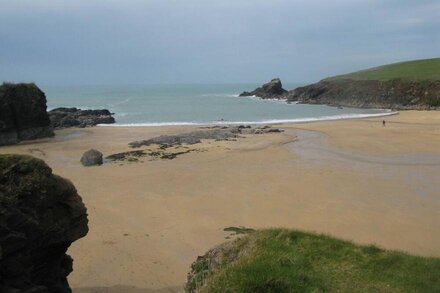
155	41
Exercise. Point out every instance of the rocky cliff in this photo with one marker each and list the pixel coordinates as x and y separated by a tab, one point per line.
394	94
41	214
271	90
22	113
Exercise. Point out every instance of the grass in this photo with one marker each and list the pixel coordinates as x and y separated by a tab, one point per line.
280	260
24	177
428	69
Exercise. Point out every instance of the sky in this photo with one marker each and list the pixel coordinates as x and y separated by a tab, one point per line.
56	42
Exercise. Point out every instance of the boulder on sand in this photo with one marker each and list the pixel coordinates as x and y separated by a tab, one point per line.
91	158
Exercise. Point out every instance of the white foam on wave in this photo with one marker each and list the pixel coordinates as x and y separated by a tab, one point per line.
259	99
78	107
270	121
121	114
120	102
220	95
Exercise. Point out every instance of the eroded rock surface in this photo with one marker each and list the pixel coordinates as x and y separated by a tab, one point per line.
168	147
223	254
194	137
23	113
394	94
73	117
91	158
41	214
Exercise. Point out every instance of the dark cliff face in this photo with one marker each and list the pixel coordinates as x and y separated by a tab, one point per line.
395	94
22	113
41	214
271	90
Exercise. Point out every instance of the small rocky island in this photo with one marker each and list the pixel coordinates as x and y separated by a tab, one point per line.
41	214
271	90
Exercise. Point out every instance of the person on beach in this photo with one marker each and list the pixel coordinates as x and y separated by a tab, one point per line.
383	122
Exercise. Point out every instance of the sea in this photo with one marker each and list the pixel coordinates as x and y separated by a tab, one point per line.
190	104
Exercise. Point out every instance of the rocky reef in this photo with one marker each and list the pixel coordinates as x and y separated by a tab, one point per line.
41	214
73	117
216	133
23	113
169	147
394	94
271	90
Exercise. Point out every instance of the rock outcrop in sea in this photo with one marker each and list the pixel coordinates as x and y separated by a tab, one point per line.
395	94
271	90
73	117
23	113
41	214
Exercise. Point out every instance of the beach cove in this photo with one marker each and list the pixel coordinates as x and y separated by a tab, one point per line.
353	179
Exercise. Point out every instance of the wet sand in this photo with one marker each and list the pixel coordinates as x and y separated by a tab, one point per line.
353	179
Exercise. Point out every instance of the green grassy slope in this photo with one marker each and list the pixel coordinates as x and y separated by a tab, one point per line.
428	69
280	260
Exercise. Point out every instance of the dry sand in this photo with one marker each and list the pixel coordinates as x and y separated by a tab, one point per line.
353	179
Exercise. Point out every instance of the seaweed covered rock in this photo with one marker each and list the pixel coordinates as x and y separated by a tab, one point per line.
41	214
271	90
73	117
23	113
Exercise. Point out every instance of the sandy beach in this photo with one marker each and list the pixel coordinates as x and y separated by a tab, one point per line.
149	220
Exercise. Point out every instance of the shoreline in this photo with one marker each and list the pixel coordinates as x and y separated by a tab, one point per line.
150	220
268	122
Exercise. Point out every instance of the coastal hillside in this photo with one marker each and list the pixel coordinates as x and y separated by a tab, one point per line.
413	85
427	69
281	260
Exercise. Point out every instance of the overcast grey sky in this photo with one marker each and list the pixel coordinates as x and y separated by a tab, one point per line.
189	41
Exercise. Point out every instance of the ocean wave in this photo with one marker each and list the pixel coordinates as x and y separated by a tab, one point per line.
64	106
120	102
270	121
220	95
259	99
121	114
